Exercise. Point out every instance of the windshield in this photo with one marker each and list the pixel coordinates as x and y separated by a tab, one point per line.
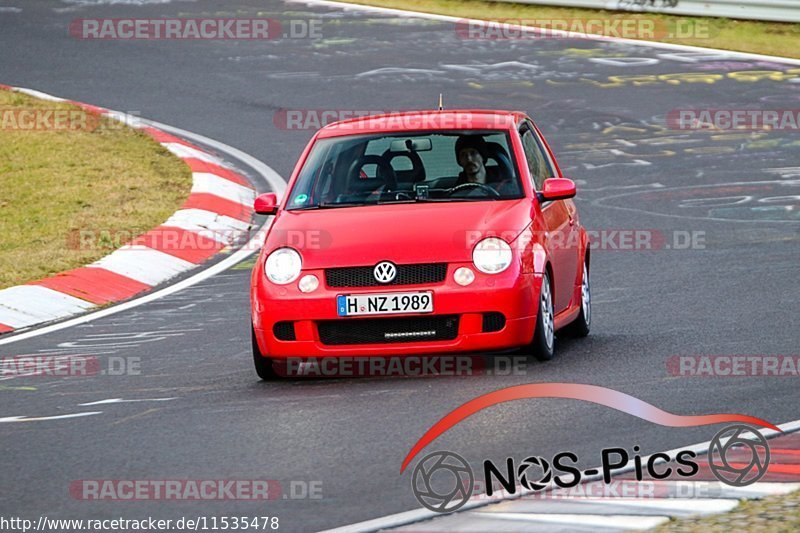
402	168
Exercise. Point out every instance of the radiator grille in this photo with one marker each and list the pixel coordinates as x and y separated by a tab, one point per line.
388	330
406	275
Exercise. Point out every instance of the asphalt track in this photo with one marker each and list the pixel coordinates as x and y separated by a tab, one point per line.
738	295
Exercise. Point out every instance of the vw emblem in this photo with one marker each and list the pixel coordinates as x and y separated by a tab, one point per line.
385	272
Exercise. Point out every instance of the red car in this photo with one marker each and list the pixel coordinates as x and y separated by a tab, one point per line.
421	233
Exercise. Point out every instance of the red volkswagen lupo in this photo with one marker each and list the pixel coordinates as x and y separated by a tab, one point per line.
421	233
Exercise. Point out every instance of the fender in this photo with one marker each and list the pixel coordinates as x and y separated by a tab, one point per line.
533	254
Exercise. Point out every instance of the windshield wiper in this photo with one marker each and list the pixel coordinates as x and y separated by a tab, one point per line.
403	201
327	206
440	200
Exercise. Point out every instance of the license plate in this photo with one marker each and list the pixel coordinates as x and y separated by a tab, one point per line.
384	304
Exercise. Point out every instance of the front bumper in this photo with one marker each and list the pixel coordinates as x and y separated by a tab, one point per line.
512	293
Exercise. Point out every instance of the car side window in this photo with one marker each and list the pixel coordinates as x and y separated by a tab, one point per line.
537	160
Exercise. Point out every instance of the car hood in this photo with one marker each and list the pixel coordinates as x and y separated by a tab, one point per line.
401	233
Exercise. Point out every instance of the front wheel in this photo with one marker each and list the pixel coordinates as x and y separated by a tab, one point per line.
543	343
263	364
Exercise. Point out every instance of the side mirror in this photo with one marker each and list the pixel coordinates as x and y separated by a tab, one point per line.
266	204
557	189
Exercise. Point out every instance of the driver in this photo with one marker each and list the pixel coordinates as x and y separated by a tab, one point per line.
472	154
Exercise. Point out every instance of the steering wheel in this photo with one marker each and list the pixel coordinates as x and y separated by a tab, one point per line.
469	185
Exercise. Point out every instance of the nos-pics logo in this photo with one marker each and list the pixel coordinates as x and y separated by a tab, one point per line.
443	481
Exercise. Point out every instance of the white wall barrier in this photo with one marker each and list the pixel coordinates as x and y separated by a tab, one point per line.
775	10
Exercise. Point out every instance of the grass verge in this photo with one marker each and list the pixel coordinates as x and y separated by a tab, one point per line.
778	514
770	38
62	176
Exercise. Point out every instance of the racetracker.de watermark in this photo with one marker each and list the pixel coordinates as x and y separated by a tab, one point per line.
192	29
734	119
68	366
194	489
568	28
731	366
314	119
173	239
357	119
614	239
176	239
44	119
617	488
403	366
165	239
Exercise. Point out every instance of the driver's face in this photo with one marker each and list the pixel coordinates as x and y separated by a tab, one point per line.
470	160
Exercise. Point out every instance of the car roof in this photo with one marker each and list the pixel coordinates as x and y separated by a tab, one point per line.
430	120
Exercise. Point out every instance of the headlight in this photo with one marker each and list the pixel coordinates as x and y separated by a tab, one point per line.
492	255
283	266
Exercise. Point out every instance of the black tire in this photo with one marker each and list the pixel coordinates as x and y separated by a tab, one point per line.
540	348
580	326
264	367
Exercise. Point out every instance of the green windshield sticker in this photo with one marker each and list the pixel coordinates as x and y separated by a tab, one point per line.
301	198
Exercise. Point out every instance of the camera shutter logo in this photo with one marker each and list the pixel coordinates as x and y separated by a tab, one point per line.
738	455
443	482
526	473
385	272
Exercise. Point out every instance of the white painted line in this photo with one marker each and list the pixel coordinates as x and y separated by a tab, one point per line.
203	182
276	183
666	505
387	522
346	6
651	505
120	400
185	152
24	305
143	264
43	418
602	202
623	522
37	94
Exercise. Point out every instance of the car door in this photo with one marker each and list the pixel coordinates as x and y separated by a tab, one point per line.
573	260
561	240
